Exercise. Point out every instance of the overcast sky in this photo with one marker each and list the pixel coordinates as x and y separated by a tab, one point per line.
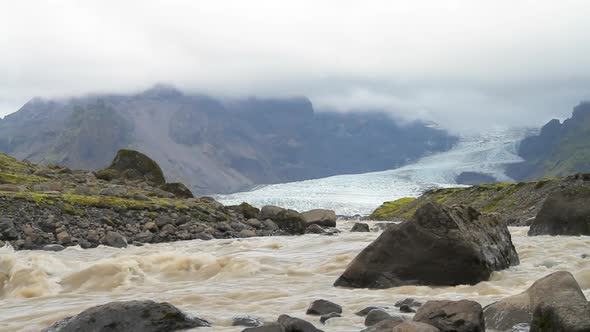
465	64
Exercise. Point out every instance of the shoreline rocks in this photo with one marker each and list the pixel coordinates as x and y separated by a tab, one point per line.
564	212
439	246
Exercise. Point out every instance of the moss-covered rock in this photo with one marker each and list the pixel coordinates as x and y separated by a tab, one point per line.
136	165
391	210
247	210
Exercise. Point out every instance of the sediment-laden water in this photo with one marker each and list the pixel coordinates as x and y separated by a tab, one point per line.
267	277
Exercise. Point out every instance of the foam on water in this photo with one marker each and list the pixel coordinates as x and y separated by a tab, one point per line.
487	153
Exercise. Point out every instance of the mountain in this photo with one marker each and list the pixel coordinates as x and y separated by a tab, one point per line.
558	150
214	145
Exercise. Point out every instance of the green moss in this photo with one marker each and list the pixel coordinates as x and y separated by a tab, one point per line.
389	210
152	215
67	208
107	174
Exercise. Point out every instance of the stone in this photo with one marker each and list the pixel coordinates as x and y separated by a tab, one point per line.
64	237
376	315
292	324
270	327
406	309
247	233
246	320
439	246
150	226
360	227
164	220
253	223
247	210
178	189
553	303
136	165
115	239
270	212
7	229
565	212
366	310
326	317
323	307
409	326
288	220
522	327
130	316
408	301
10	187
269	225
321	217
314	229
53	247
452	316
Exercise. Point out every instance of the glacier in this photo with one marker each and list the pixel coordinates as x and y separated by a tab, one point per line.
359	194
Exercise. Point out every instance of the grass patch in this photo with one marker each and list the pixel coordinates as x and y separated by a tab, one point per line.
388	210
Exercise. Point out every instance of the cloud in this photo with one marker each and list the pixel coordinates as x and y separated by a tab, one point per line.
464	64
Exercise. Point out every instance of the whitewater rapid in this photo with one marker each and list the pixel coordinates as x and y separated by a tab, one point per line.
266	277
488	153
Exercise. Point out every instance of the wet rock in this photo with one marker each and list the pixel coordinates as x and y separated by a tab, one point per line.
131	316
288	220
64	237
137	243
7	229
366	310
552	303
270	212
438	246
384	326
253	223
247	210
323	307
116	240
409	301
406	309
522	327
269	225
53	247
178	189
360	227
565	212
204	236
270	327
452	316
161	221
238	226
326	317
151	226
314	229
247	233
376	315
246	320
321	217
292	324
409	326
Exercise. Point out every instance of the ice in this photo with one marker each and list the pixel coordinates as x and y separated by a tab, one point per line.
487	153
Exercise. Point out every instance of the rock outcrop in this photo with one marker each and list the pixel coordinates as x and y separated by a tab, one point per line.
131	316
438	246
552	303
288	220
321	217
133	165
564	212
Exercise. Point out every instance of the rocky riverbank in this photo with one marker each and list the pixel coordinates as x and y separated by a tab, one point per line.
129	202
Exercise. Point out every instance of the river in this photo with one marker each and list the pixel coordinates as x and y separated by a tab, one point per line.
266	277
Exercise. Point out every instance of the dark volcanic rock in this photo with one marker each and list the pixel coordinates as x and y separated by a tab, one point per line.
178	189
116	240
376	315
246	320
452	316
360	227
409	302
331	315
366	310
324	218
552	303
131	316
438	246
292	324
323	307
136	165
566	212
288	220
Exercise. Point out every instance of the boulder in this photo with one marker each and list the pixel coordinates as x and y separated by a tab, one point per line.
365	311
409	302
326	317
321	217
288	220
131	316
115	239
439	246
7	229
133	165
270	327
53	247
552	303
246	320
323	307
247	233
314	229
406	309
63	237
178	189
385	325
360	227
292	324
409	326
452	316
247	210
269	225
565	212
376	315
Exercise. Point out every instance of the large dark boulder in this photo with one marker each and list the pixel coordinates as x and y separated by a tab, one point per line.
452	316
131	316
321	217
552	303
323	307
178	189
288	220
293	324
247	210
133	165
440	245
565	212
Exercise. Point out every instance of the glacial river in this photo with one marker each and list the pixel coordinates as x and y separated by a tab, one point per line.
266	277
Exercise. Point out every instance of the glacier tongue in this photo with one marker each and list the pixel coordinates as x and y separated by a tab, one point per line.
487	153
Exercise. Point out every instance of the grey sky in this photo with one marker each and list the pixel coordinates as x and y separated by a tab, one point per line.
465	64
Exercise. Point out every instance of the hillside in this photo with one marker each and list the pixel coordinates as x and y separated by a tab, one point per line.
213	145
560	149
517	202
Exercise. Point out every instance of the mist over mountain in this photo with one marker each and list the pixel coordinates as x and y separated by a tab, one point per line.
215	145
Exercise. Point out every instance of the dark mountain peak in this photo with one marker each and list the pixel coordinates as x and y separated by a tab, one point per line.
582	110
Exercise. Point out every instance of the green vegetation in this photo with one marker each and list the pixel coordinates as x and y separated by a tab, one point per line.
67	208
16	172
390	209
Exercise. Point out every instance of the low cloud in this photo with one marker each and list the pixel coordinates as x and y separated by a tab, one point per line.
464	64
